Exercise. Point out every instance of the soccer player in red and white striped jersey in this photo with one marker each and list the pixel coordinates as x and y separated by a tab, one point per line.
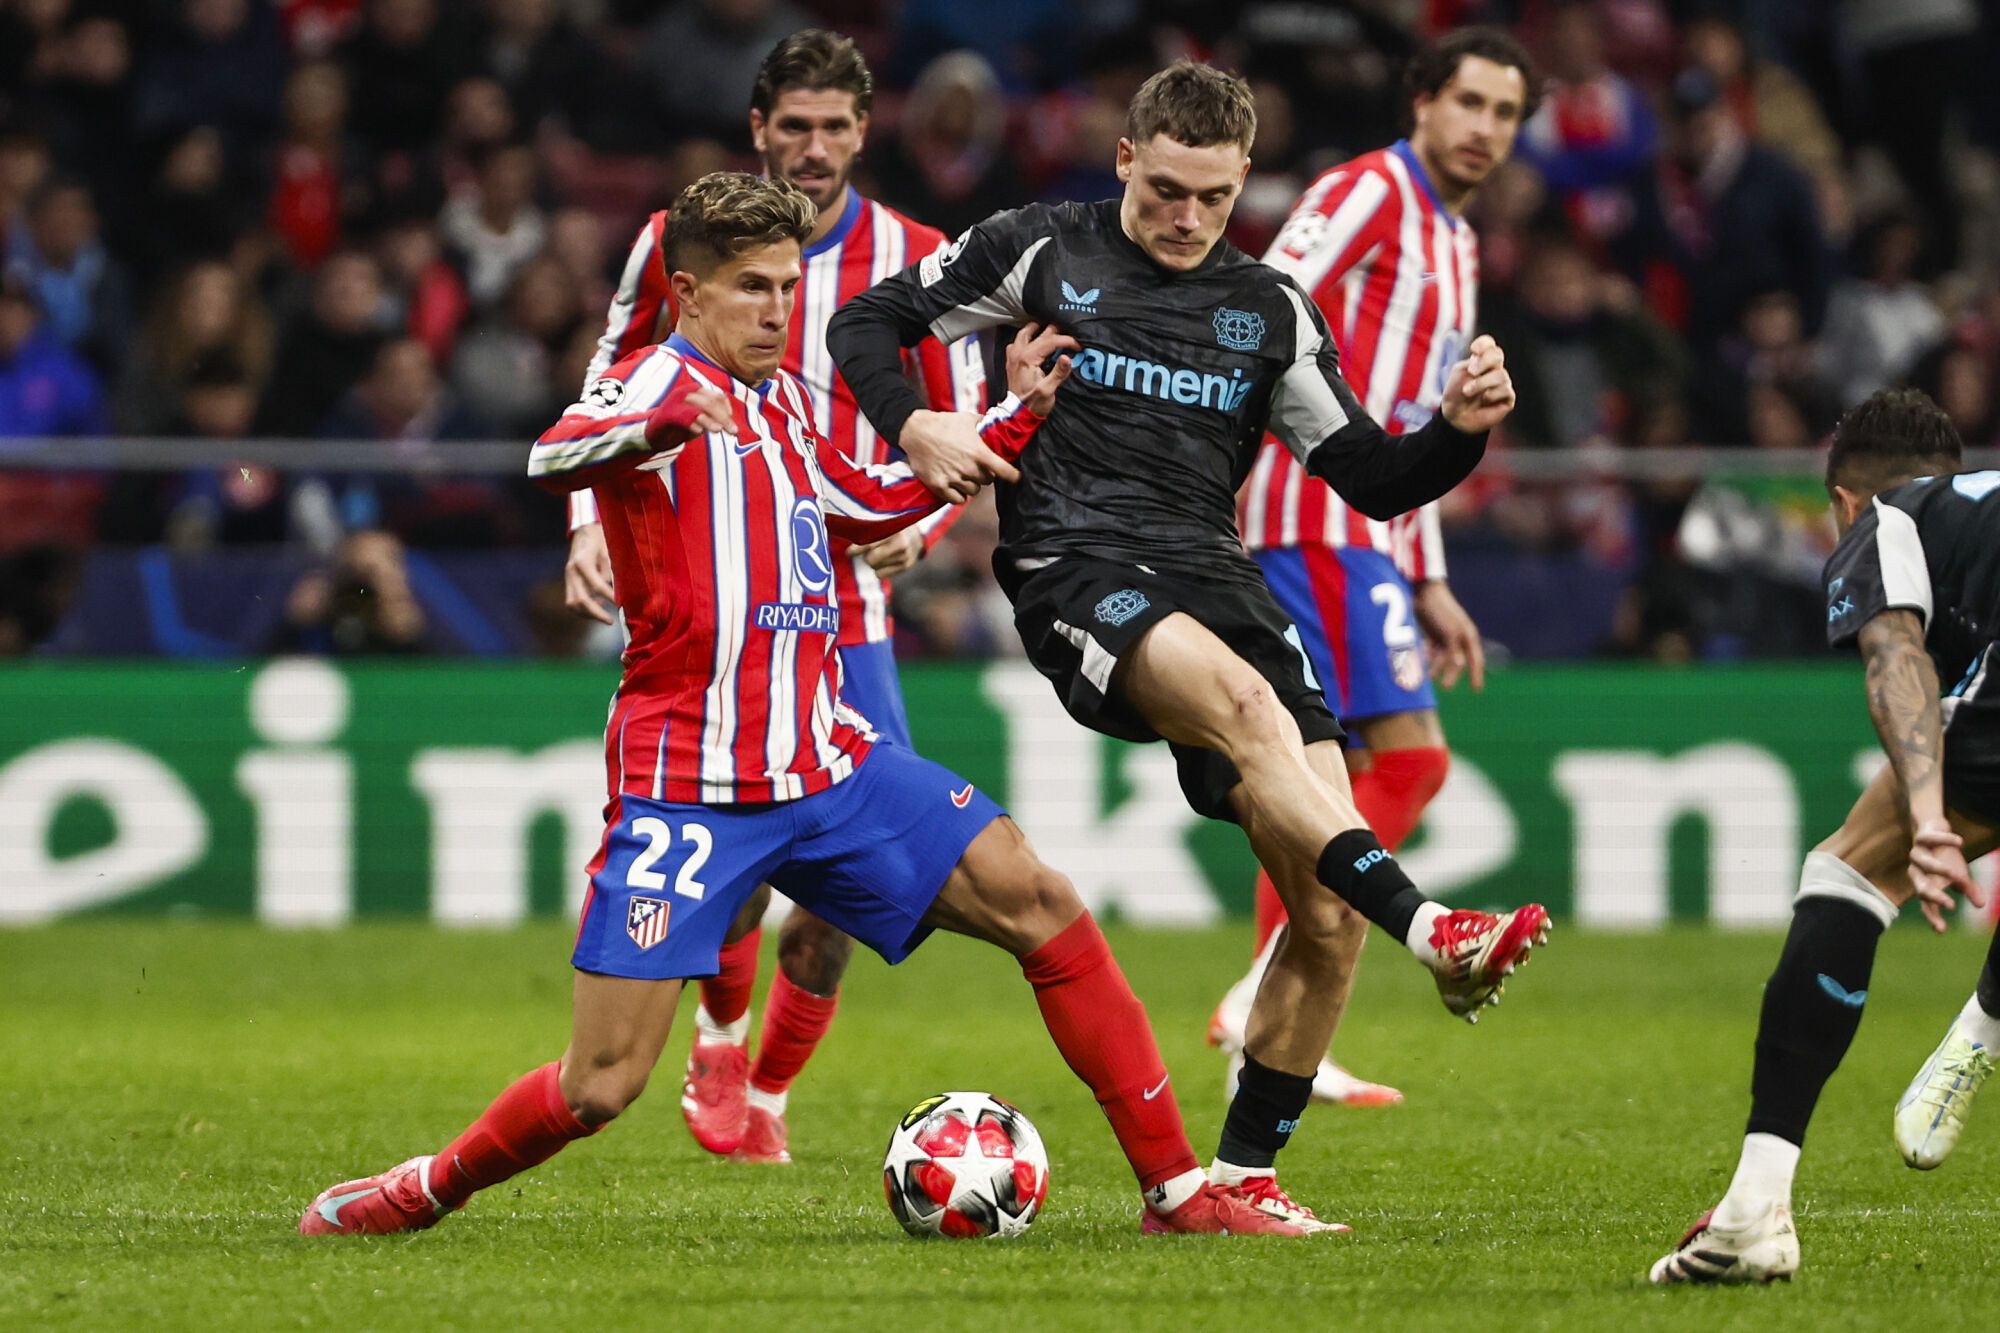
731	758
808	119
1379	244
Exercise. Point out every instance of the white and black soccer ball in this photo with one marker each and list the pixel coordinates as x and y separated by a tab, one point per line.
965	1165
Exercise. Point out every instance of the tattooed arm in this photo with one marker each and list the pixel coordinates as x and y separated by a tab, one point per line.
1903	701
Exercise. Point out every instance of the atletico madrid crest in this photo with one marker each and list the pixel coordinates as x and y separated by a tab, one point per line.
646	921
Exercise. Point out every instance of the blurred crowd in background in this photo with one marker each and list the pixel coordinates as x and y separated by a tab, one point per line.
402	220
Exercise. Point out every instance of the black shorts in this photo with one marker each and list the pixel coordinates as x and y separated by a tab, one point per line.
1972	743
1078	618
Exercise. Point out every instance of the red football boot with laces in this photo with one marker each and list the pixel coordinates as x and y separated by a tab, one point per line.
763	1139
397	1200
1263	1194
1477	951
713	1098
1218	1210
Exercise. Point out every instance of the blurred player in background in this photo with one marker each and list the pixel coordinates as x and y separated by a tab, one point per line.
1121	553
732	759
1915	584
1380	246
808	118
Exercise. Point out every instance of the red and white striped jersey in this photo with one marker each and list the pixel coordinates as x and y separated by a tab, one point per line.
1396	275
870	242
721	557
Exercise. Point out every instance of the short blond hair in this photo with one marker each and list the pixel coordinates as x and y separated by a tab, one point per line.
726	213
1194	104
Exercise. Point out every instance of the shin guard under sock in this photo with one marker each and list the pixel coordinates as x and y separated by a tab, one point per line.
525	1126
1262	1115
1356	866
1101	1029
1812	1006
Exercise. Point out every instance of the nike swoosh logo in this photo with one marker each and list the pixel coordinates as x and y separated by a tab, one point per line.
961	799
1853	999
745	449
1157	1091
330	1210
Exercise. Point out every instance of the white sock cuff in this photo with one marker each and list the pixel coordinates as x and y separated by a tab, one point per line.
774	1102
1825	875
710	1031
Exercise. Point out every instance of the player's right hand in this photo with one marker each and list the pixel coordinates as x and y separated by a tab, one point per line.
1938	869
1027	354
946	453
587	586
687	413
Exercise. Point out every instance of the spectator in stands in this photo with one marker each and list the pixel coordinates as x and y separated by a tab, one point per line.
949	165
1913	58
552	73
328	347
403	63
403	402
478	118
498	227
1960	378
427	292
207	313
46	389
506	363
359	605
1770	103
84	293
1882	320
223	65
84	97
1724	221
319	174
700	57
576	241
232	505
1593	137
195	208
1588	366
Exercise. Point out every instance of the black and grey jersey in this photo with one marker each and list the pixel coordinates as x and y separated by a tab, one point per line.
1931	546
1178	377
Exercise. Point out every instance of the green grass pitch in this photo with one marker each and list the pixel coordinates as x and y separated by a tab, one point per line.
174	1093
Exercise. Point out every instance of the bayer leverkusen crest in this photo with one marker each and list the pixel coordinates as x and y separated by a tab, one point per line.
646	921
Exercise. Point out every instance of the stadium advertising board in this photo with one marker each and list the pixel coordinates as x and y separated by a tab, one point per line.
306	793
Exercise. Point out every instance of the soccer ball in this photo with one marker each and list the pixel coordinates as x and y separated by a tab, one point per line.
965	1165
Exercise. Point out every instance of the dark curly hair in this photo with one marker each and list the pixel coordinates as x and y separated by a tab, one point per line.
1433	67
1891	436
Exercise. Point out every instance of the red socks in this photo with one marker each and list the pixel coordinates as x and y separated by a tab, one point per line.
794	1021
1101	1029
525	1126
726	995
1391	796
1396	790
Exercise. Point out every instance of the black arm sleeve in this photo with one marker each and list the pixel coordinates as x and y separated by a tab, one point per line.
1323	423
972	284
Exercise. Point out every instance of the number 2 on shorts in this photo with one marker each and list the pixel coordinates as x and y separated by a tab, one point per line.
659	836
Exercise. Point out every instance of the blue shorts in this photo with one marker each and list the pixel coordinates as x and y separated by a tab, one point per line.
867	855
869	685
1353	609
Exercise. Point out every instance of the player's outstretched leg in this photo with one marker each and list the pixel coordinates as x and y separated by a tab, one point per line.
1812	1008
1194	690
714	1092
1002	893
617	1031
805	991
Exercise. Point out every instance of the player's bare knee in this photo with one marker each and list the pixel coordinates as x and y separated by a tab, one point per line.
1042	906
599	1090
1257	720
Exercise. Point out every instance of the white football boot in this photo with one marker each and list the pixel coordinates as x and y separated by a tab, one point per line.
1931	1114
1764	1250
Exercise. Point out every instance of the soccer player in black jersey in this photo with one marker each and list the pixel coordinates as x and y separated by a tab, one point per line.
1120	551
1915	584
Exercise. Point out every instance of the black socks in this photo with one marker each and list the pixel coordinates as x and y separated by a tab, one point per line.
1812	1006
1355	866
1265	1111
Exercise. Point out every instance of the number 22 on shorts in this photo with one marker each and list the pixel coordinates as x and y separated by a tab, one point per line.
659	836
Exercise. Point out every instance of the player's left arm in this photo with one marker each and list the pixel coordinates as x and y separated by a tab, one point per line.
953	378
1318	417
643	409
867	503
